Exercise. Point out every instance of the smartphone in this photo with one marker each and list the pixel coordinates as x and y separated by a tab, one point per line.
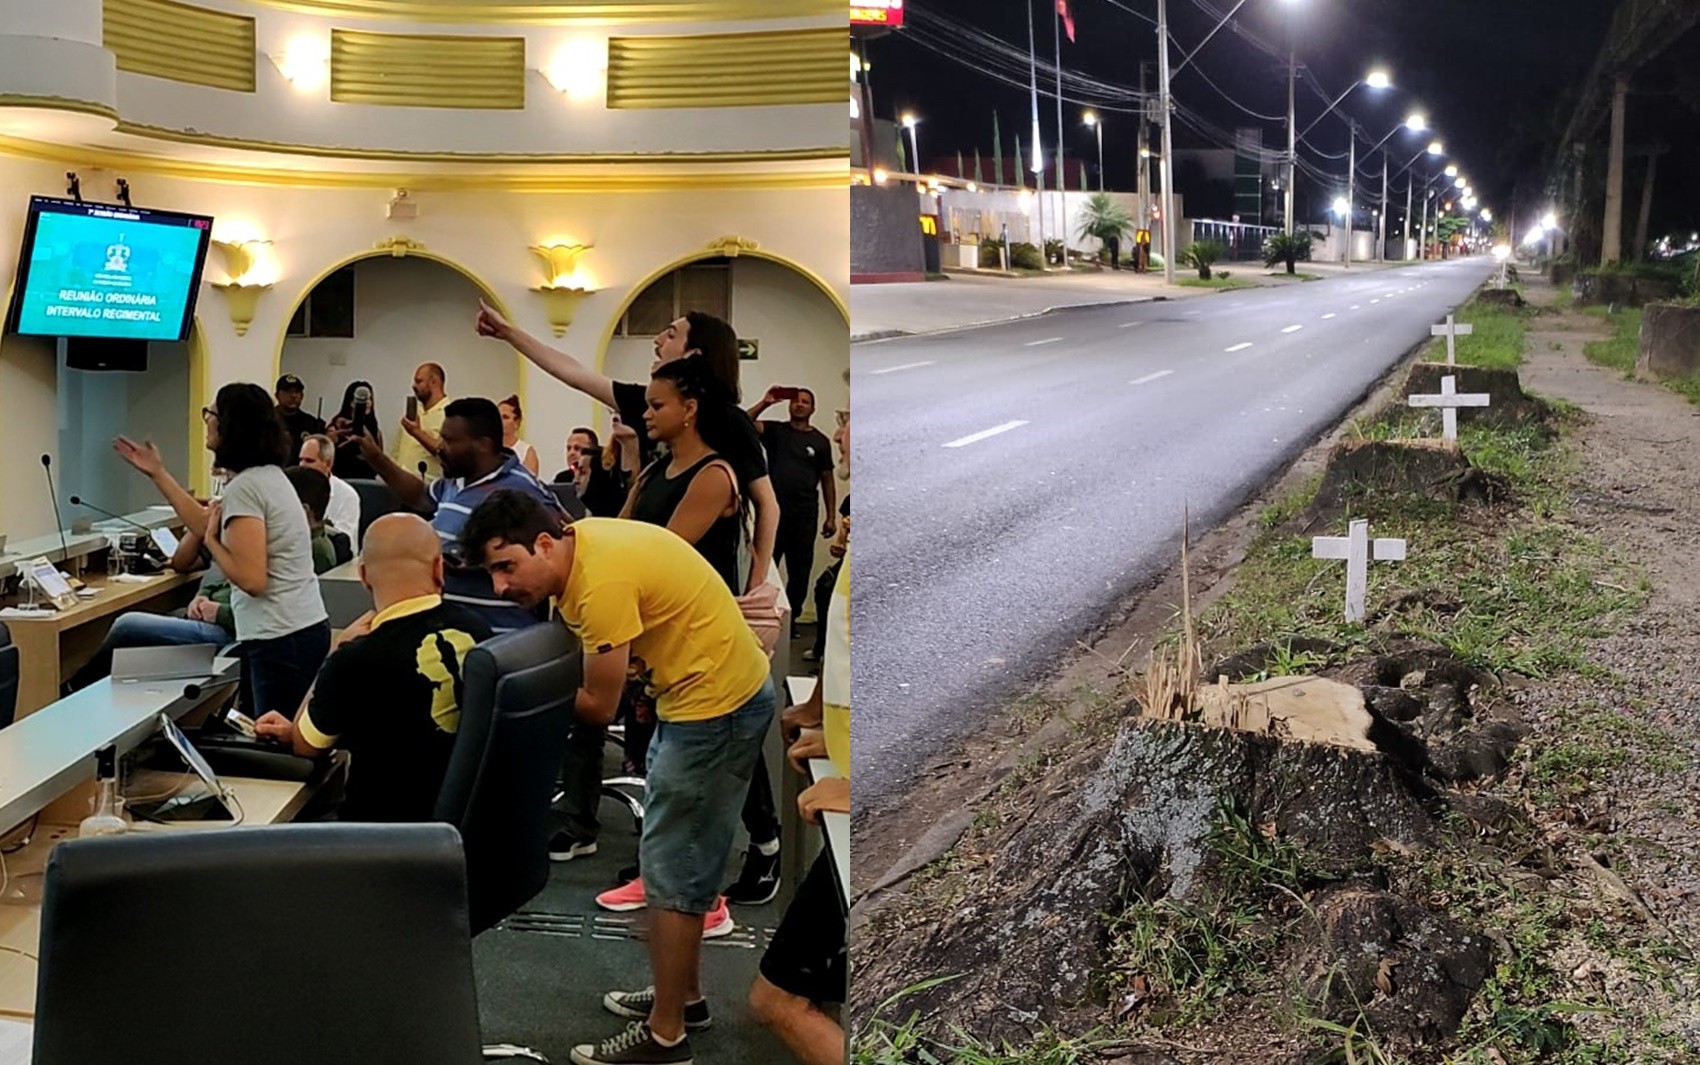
786	392
412	408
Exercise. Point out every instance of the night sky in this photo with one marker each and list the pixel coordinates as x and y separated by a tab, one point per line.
1496	78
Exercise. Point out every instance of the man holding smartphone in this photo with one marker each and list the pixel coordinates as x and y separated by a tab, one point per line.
799	460
422	427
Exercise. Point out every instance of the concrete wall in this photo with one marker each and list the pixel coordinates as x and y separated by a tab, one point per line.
885	231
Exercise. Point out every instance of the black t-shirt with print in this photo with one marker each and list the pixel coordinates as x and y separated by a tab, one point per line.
392	700
300	425
796	458
743	452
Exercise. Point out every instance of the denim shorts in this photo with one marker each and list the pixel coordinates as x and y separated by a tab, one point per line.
698	774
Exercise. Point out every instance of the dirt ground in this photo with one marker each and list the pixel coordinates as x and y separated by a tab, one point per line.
1637	491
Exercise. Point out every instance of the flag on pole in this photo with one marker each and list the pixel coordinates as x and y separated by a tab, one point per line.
997	151
959	172
1067	19
1019	180
979	175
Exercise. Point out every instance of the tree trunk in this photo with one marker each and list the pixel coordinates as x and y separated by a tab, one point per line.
1611	249
1646	206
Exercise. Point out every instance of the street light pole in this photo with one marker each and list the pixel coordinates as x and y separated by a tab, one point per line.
1351	184
909	123
1292	133
1100	126
1405	247
1038	149
1381	224
1168	165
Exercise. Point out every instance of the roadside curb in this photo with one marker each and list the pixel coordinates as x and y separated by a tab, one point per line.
889	334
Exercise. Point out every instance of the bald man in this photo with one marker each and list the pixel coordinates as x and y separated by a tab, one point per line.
389	693
421	439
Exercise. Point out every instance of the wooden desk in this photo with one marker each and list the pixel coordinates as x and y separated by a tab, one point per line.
54	647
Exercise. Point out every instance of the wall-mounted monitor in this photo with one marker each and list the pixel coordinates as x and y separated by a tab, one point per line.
106	270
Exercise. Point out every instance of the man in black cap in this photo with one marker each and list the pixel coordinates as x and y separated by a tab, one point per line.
299	423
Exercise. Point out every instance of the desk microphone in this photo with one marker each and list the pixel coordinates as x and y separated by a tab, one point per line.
78	501
47	468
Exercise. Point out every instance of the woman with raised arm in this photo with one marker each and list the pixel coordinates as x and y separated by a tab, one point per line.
257	534
698	336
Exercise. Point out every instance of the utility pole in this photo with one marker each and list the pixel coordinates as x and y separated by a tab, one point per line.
1381	225
1292	132
1062	179
1351	183
1422	232
1168	162
1144	155
1410	184
1038	149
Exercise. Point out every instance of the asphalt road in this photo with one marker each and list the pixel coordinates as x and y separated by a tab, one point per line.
1019	480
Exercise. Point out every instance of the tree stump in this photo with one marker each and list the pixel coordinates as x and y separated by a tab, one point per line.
1509	407
1670	340
1362	473
1508	297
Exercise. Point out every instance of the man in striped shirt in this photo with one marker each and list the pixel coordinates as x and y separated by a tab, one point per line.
475	465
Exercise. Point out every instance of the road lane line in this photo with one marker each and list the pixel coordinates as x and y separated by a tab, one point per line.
1375	301
1354	306
905	366
1130	325
975	438
1292	329
1239	347
1036	343
1327	316
1148	378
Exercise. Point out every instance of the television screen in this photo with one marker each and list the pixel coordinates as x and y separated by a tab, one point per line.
106	270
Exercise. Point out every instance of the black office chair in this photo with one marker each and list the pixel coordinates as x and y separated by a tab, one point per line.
515	709
160	948
9	666
376	500
567	495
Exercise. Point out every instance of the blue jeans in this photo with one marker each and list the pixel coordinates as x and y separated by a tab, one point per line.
699	773
146	630
278	672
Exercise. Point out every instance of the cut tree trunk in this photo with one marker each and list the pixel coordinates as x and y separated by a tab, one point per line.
1509	407
1362	472
1670	340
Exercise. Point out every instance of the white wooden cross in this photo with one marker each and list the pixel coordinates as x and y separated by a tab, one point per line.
1449	401
1355	548
1451	331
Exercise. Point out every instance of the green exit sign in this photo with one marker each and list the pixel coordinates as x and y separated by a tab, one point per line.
747	348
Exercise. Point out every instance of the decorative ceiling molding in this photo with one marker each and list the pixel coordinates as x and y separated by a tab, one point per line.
164	39
547	12
420	70
728	69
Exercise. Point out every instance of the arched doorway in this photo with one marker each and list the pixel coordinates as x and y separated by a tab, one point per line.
375	316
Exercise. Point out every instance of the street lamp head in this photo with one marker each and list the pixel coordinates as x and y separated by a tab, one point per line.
908	120
1416	123
1487	215
1436	148
1379	79
1091	119
1461	183
1549	221
1452	171
1341	205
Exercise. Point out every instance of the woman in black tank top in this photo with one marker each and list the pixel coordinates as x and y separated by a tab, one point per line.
691	490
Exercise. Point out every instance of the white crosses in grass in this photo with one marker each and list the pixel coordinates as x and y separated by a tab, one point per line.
1451	331
1356	547
1449	400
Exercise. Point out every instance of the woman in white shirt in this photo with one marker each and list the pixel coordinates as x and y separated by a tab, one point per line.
512	419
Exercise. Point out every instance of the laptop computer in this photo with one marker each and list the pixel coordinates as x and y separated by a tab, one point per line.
186	662
216	804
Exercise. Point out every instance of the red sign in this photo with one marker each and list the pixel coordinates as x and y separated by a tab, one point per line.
888	13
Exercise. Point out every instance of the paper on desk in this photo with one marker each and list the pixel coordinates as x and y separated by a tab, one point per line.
20	612
131	578
15	1039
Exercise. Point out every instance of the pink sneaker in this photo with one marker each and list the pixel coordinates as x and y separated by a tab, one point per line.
718	921
626	897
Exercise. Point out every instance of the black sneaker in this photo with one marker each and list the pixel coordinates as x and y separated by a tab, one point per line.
759	881
634	1046
635	1006
627	875
564	847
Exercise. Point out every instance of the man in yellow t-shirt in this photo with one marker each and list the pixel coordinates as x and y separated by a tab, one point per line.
421	439
632	591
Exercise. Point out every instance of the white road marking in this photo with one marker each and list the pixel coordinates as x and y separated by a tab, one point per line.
1148	378
1240	347
1292	329
1354	306
905	366
975	438
1129	325
1327	316
1375	301
1036	343
1192	314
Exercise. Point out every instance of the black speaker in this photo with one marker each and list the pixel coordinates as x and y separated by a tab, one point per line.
105	353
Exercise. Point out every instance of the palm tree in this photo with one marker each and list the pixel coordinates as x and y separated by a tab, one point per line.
1286	248
1200	254
1104	219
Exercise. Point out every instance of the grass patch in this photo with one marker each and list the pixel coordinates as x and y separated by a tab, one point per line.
1497	340
1282	275
1216	282
1618	353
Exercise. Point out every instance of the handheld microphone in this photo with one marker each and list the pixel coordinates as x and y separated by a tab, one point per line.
47	467
78	501
422	468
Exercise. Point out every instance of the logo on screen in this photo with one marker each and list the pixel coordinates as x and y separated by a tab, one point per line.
118	256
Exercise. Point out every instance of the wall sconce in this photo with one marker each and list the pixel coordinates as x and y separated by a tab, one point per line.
243	291
579	68
563	285
305	62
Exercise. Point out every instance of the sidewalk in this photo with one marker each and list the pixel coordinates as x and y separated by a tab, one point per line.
966	299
